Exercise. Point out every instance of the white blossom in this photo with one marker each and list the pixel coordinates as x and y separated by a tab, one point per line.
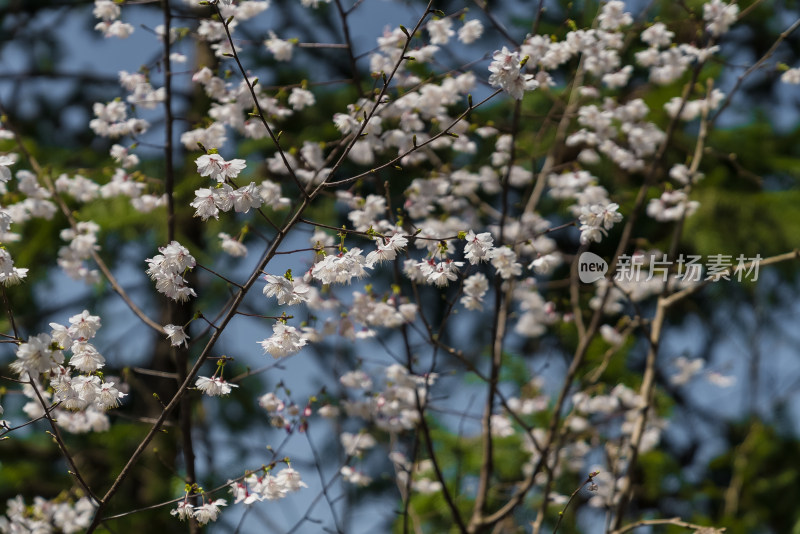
341	268
719	16
354	444
213	166
657	35
504	260
440	30
301	98
791	76
288	291
478	246
285	341
471	31
214	386
280	49
166	271
176	335
612	16
507	74
232	246
208	512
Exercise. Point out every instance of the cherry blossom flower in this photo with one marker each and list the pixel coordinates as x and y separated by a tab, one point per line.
42	515
440	273
478	246
106	10
213	166
671	206
507	74
214	386
791	76
613	16
341	268
718	379
301	98
10	275
78	187
246	197
680	173
475	287
114	29
109	396
184	510
657	35
387	251
611	335
354	476
471	31
290	479
719	16
280	49
504	260
5	163
356	380
209	511
271	403
270	489
205	204
285	340
165	268
232	246
440	30
288	292
596	219
37	356
85	357
355	444
687	369
176	335
328	411
242	494
84	325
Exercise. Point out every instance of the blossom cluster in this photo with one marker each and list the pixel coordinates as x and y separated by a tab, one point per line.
266	486
167	270
81	393
392	408
109	12
45	515
248	490
204	513
209	202
473	216
214	386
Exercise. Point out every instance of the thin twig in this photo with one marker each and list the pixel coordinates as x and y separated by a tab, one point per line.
588	480
56	433
676	521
